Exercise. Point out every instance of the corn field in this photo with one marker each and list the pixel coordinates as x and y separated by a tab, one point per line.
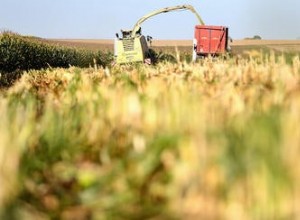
218	139
19	53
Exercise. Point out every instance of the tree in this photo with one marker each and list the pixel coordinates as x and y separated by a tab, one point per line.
257	37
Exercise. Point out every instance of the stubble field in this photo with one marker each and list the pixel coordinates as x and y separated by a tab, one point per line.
185	45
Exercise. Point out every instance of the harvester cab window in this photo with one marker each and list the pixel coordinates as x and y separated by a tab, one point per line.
126	33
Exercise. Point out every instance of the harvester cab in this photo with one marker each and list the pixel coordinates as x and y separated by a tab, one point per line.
131	48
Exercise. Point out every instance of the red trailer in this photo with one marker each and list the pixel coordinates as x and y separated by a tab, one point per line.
210	40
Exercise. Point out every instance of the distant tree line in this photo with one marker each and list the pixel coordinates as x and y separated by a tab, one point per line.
255	37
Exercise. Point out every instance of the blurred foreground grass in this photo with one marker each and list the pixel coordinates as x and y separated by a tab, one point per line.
212	140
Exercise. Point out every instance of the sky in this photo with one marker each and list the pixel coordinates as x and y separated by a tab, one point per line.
101	19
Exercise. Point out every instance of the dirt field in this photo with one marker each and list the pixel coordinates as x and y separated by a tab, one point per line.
238	46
